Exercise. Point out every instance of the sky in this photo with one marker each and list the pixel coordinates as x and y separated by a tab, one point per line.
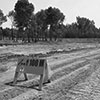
70	8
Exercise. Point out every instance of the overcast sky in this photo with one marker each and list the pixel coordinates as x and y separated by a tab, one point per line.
71	8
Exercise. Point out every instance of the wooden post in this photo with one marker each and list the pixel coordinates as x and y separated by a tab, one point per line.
41	82
25	75
15	78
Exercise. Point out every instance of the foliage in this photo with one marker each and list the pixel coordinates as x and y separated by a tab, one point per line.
86	27
71	31
23	10
48	20
47	23
11	16
41	23
54	16
2	17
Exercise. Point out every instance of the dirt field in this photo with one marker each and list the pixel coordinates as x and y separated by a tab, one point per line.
75	67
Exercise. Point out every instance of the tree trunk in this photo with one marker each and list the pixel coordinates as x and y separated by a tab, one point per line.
28	37
12	34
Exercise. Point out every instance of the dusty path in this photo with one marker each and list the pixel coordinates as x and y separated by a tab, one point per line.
70	70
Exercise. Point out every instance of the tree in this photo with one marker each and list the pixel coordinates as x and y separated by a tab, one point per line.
85	26
54	17
6	33
2	18
72	31
41	23
47	21
11	15
59	31
24	11
1	33
33	28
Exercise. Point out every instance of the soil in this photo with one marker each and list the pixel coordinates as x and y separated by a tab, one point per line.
75	72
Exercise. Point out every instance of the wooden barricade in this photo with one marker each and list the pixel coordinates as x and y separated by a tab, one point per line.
32	65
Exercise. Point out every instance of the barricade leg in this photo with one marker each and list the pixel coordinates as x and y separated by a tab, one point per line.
47	74
15	78
41	82
25	75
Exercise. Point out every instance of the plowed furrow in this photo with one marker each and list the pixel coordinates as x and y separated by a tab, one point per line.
25	87
52	89
66	85
64	68
60	86
59	73
56	64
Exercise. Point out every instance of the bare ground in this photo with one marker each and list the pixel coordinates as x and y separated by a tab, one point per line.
75	68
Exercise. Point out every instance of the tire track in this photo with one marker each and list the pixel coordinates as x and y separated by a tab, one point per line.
54	64
25	87
24	90
49	91
71	80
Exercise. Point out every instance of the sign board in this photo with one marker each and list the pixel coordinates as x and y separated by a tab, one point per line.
32	65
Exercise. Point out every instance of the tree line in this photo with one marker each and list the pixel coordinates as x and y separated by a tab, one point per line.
47	24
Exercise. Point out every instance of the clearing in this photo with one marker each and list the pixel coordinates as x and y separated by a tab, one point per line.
75	65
